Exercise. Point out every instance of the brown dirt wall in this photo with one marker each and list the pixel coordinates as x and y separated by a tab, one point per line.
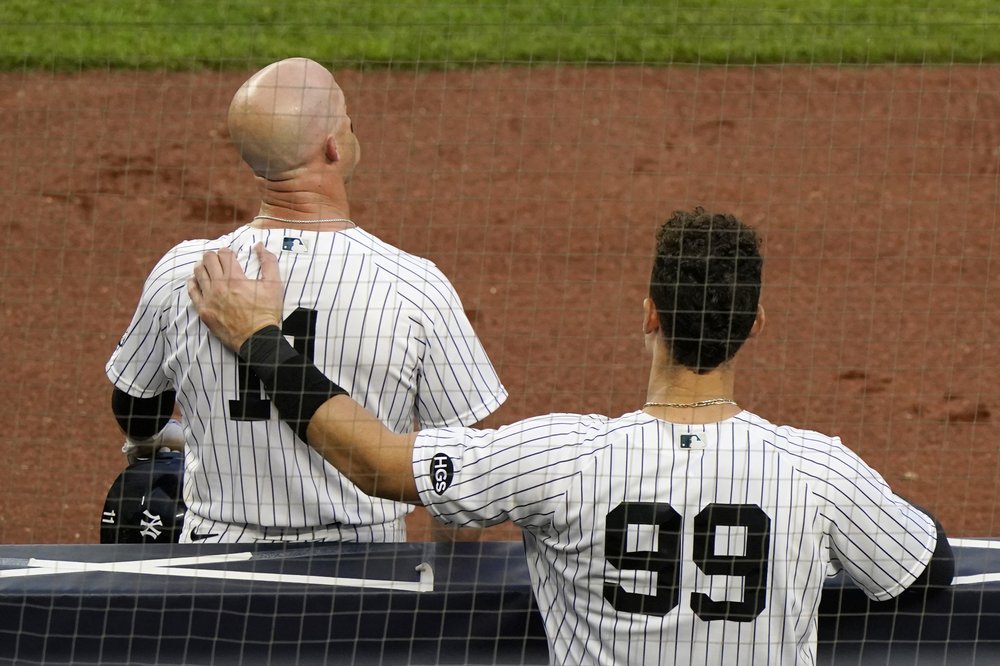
538	190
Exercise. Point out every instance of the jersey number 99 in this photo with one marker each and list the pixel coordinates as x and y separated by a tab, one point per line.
665	561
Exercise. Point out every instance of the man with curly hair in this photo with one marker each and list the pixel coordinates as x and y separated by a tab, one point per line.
687	531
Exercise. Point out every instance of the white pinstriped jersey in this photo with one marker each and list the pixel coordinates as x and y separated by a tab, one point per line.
386	325
658	543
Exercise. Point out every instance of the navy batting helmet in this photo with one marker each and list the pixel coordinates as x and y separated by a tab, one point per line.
144	503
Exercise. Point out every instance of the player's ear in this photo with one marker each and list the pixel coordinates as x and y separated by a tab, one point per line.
330	149
758	323
650	318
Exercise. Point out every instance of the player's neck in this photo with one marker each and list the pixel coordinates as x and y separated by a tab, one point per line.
679	395
303	196
281	211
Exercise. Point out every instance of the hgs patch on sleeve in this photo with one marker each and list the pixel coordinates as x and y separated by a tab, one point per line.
442	472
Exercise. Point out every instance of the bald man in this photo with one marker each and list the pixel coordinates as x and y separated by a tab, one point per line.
386	324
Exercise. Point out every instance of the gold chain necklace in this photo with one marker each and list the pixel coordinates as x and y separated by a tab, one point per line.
700	403
320	221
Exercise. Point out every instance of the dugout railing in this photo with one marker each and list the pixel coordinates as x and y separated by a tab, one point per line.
417	603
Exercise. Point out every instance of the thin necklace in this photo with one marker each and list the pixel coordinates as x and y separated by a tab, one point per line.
700	403
320	221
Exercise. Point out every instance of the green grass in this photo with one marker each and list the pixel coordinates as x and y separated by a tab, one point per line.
182	34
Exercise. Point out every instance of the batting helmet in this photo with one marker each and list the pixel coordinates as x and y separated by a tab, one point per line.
144	503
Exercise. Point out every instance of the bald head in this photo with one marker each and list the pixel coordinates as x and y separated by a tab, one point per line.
282	118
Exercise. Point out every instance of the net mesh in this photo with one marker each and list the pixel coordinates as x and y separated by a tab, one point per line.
531	151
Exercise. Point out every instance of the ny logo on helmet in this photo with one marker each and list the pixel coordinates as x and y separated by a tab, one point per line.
150	527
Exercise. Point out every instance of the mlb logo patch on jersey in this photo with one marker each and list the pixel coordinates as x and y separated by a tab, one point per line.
691	440
294	244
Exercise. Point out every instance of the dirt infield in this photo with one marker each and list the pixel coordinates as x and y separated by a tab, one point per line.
538	191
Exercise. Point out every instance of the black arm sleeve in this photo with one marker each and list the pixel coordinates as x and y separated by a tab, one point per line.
140	418
296	386
940	570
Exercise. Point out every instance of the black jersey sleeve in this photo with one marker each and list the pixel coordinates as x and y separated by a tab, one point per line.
141	418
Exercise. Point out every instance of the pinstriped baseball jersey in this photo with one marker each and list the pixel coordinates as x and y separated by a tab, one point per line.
386	325
658	543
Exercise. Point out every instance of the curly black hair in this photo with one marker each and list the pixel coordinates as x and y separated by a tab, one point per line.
706	285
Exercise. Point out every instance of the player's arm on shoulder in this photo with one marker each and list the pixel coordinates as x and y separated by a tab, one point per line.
147	423
376	459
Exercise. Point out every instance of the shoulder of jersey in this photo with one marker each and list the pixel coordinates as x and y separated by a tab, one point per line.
190	250
578	422
803	444
392	257
179	260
